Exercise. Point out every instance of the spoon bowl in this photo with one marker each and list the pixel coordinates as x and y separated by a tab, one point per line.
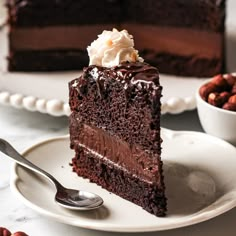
69	198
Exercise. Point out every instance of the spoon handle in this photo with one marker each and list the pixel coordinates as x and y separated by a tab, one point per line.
8	150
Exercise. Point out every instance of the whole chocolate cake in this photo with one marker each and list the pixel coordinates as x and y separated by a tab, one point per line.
115	122
49	35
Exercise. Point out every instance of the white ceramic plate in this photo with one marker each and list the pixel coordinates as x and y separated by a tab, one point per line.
199	174
48	92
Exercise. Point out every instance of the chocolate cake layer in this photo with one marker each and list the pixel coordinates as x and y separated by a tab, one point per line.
184	65
198	14
205	14
27	13
31	60
115	131
49	60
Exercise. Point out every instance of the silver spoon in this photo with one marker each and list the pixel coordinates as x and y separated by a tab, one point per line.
68	198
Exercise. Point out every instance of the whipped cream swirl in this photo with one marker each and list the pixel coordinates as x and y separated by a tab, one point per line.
111	48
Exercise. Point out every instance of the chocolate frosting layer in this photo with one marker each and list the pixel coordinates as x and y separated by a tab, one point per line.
55	37
113	150
173	40
177	40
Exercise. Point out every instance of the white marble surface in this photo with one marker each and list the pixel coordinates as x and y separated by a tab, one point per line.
23	129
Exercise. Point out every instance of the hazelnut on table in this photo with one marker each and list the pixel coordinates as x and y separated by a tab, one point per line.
4	232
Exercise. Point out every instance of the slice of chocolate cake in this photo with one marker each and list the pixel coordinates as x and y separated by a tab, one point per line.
115	123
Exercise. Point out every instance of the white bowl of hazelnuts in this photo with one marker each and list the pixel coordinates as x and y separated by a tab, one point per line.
216	105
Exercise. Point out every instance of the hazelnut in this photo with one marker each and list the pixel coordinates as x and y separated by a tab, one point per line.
231	80
229	106
215	99
220	82
4	232
206	89
19	233
225	96
232	99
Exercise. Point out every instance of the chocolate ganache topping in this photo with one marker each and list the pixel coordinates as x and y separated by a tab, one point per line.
131	74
